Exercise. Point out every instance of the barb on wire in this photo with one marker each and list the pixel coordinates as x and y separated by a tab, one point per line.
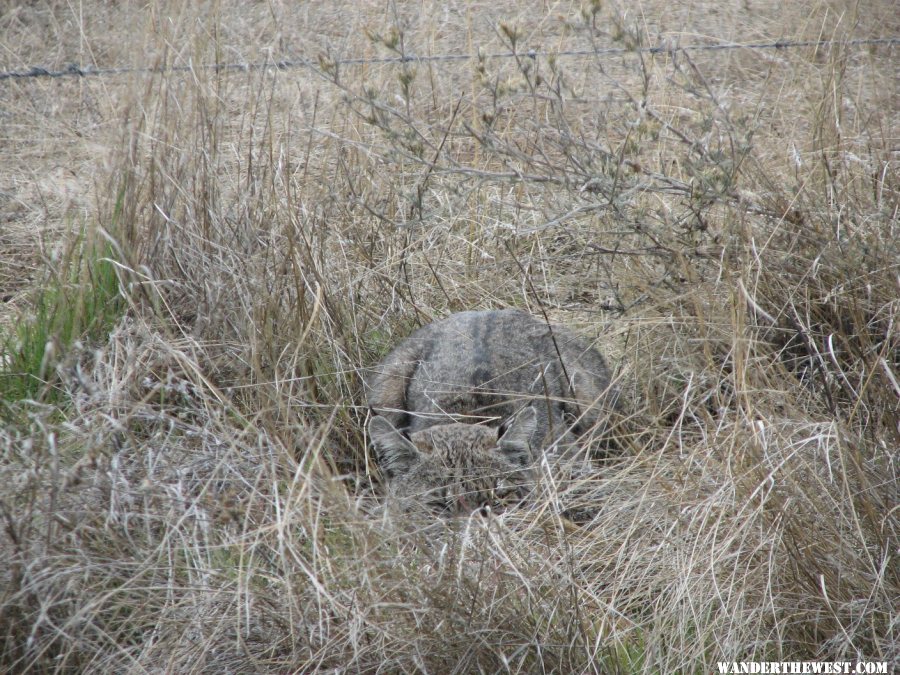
73	69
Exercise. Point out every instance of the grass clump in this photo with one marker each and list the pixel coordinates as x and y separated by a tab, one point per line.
79	303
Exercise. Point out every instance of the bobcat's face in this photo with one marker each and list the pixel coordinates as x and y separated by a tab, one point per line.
460	469
455	468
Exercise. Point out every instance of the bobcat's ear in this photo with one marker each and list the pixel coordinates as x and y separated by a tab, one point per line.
396	453
515	441
591	396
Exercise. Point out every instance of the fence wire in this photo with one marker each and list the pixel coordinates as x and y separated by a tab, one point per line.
76	70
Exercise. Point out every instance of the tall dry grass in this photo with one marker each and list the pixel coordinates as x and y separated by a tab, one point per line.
197	494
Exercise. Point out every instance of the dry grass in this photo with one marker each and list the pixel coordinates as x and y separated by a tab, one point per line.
190	491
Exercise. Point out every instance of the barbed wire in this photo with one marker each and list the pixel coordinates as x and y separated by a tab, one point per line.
73	69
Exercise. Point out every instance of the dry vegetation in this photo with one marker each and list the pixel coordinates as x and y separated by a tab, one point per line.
198	266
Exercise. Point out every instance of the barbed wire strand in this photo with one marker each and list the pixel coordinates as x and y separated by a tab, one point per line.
73	69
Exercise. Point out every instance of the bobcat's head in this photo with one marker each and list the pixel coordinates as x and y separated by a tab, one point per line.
455	468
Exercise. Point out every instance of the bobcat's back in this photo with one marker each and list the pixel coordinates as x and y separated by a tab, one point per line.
487	365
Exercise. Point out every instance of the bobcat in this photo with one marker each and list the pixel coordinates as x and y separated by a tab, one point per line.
455	468
464	406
